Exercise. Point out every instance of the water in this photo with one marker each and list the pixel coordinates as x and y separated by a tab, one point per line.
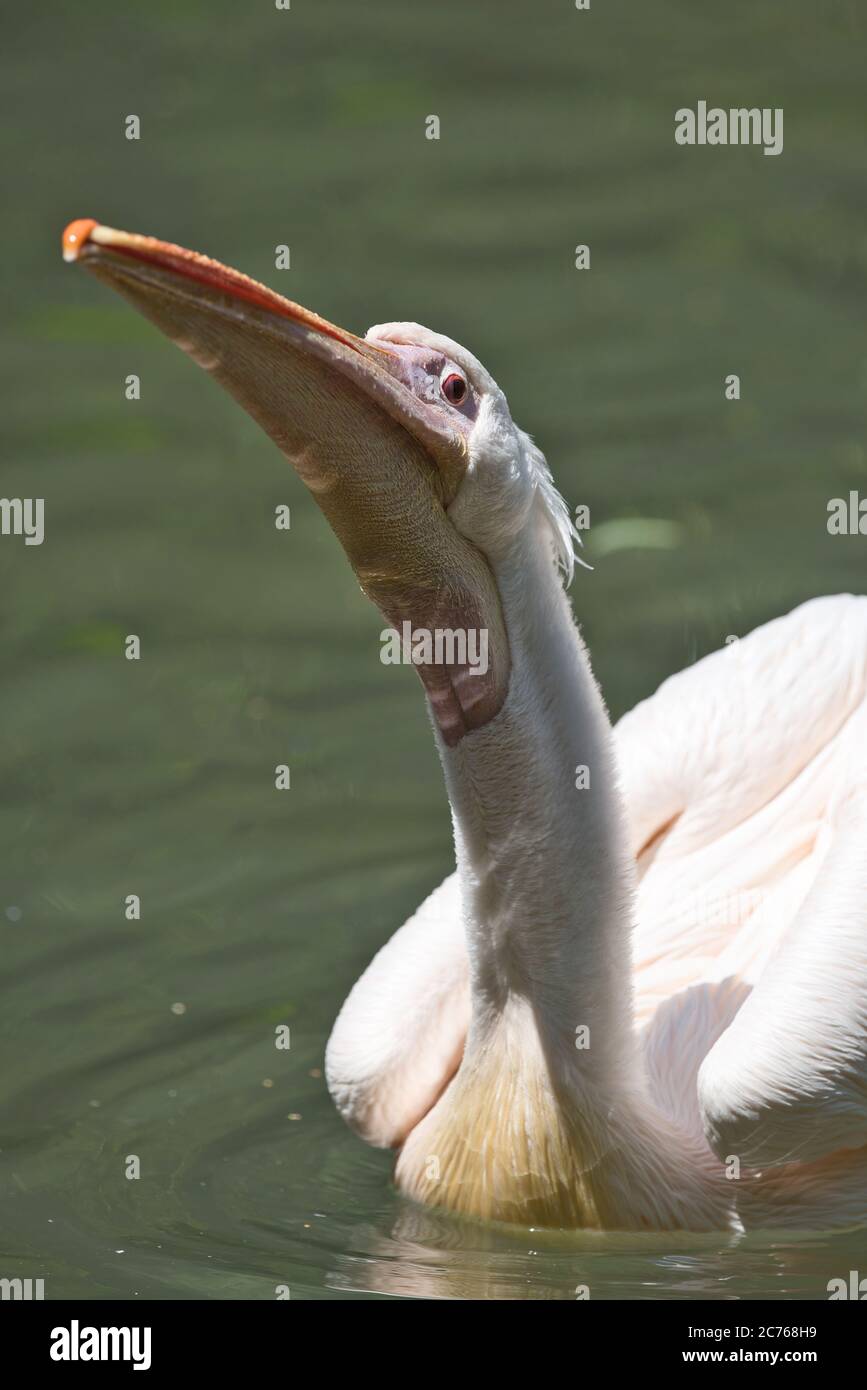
156	778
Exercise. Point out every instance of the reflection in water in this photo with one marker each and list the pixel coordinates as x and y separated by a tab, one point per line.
432	1255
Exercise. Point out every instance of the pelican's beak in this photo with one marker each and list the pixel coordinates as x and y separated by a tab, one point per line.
380	467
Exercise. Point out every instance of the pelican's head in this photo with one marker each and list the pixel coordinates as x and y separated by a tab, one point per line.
504	481
402	437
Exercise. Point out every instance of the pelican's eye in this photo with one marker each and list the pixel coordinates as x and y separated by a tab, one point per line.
454	388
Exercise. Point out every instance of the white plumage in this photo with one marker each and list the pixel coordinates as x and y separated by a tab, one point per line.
715	944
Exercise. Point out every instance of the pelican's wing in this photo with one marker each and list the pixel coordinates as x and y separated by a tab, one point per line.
724	737
787	1080
746	785
399	1037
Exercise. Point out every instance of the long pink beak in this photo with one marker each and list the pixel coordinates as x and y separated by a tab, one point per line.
336	405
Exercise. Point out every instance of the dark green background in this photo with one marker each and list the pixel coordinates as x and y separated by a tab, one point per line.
307	127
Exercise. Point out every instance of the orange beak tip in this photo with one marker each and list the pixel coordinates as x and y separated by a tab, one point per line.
75	236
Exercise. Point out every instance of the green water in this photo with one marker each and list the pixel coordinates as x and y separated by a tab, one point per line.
156	777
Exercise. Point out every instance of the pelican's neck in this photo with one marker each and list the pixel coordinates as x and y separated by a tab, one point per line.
548	1120
542	855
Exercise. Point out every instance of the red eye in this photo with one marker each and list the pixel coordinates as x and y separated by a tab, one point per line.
454	388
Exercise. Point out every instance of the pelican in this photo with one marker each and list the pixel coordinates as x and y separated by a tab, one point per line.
640	1000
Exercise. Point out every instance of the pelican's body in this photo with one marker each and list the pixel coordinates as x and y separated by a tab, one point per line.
641	999
741	1101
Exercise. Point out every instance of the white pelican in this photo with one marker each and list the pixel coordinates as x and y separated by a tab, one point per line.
641	999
